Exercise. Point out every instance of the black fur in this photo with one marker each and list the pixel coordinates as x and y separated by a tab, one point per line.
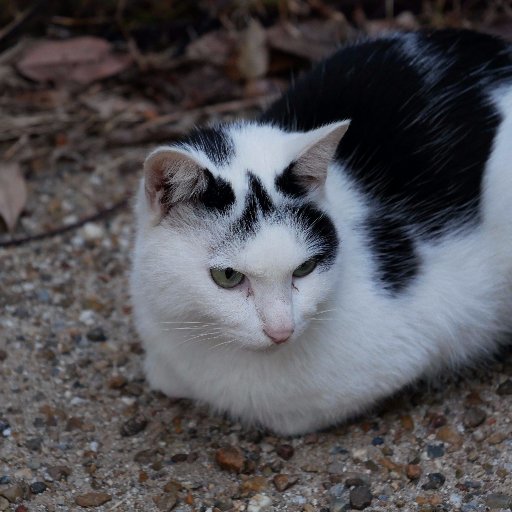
288	184
214	142
397	260
321	231
218	195
257	201
421	130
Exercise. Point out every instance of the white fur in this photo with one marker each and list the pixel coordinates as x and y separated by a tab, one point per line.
353	343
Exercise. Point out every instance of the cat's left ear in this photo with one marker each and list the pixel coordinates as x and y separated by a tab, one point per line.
317	151
172	176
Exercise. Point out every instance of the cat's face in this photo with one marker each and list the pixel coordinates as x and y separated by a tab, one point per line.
234	238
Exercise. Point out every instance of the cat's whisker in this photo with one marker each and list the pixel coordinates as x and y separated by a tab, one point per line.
228	342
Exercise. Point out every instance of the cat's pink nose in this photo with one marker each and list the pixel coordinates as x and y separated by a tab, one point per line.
278	336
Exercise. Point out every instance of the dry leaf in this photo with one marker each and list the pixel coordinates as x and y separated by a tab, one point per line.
13	193
312	40
253	53
215	47
81	59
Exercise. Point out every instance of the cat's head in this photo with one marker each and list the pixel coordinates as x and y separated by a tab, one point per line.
234	234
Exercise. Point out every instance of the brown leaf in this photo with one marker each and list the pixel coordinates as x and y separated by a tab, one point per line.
253	52
313	40
81	59
13	194
215	47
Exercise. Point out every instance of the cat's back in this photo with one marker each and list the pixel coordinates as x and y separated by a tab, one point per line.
424	110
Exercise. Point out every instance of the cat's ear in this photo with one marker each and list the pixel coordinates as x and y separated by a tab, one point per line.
172	176
319	147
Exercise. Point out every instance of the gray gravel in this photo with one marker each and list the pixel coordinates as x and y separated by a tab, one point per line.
80	428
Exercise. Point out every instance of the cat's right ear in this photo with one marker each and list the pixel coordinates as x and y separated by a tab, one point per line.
172	176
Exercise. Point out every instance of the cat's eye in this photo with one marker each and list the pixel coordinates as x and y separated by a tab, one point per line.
306	268
226	277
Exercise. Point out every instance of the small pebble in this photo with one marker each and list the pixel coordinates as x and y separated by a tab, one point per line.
259	503
413	471
376	441
497	501
230	458
4	480
59	473
92	499
14	492
474	417
283	482
435	481
4	425
435	451
134	425
96	334
38	487
505	388
4	503
360	497
285	451
34	444
338	505
3	355
448	435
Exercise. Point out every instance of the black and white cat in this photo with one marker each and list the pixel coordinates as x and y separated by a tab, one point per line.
294	270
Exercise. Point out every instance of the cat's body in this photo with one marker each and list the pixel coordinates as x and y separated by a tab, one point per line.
408	221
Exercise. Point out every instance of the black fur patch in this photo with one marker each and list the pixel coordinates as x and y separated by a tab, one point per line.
396	257
320	231
218	195
214	142
422	127
257	201
288	184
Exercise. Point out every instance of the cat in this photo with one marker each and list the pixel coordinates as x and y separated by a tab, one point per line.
294	270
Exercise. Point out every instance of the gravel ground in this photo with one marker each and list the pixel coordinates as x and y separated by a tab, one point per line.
80	428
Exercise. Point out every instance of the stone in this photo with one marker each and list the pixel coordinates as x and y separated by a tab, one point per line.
254	484
117	381
96	334
474	417
134	425
285	451
59	472
283	482
4	480
15	492
338	505
230	458
179	457
448	435
360	497
3	355
505	388
435	481
413	471
34	444
435	451
38	487
377	441
165	502
92	499
407	422
497	501
4	503
259	503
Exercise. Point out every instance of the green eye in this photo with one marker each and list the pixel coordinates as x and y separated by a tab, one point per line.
306	268
226	277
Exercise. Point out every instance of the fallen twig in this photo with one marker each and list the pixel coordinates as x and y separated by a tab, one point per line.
102	214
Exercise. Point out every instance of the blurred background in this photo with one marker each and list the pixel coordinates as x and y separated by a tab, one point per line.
86	87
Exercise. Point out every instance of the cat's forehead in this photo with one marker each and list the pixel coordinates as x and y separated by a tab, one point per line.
234	151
